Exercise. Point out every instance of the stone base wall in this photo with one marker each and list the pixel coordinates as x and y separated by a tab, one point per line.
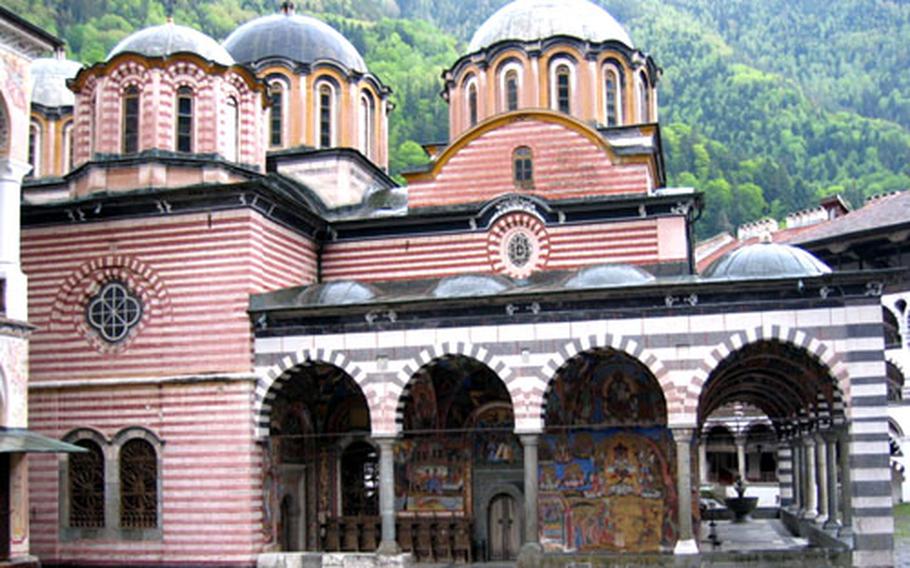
332	560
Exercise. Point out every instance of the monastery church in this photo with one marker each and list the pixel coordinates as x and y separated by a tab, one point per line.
230	338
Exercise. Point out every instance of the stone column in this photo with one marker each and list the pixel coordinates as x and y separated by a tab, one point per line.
796	480
686	543
831	461
811	486
846	491
389	544
16	287
741	456
532	532
703	460
821	460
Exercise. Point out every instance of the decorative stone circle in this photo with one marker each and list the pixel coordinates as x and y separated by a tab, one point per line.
518	245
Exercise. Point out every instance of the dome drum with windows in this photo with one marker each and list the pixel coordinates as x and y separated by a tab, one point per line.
570	56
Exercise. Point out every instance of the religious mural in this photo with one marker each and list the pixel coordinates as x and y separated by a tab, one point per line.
459	416
606	461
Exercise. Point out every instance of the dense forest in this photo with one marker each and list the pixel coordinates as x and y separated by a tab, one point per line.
765	106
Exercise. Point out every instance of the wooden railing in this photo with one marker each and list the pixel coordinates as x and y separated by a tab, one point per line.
433	538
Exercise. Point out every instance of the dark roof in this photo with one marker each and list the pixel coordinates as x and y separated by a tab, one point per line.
53	40
879	214
298	38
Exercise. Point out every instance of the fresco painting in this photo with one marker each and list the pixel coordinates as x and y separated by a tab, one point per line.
431	474
492	430
607	459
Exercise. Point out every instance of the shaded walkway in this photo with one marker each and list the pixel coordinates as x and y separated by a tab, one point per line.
756	535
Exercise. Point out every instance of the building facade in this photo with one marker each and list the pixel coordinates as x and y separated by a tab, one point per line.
267	348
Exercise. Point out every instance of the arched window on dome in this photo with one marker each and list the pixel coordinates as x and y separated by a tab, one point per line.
644	98
130	123
276	113
67	156
34	149
510	86
184	119
326	113
562	82
523	167
471	101
232	130
92	126
367	123
612	96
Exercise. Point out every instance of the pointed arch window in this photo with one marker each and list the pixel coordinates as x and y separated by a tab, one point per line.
34	149
86	486
326	100
523	167
472	103
130	144
184	119
232	131
511	80
612	97
276	115
644	98
367	123
138	485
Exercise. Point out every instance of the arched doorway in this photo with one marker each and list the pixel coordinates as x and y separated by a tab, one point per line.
607	459
458	439
503	528
318	456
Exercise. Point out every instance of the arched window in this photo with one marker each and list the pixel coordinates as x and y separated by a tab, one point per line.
138	485
367	123
184	119
612	97
86	486
522	167
67	147
232	131
34	149
276	115
360	480
326	114
472	101
92	126
562	78
130	142
644	98
511	82
892	330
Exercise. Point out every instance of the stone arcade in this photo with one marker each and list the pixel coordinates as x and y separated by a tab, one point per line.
273	353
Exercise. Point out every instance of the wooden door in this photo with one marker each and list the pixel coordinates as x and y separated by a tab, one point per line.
504	528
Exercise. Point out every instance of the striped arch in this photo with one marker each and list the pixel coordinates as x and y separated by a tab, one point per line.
270	385
399	391
782	334
618	343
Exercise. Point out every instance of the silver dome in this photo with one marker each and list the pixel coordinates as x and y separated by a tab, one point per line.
530	20
170	38
49	77
299	38
607	275
469	285
767	260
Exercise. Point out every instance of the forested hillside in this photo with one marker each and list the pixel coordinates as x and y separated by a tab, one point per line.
766	106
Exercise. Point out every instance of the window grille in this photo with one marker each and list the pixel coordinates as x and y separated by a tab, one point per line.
138	485
131	120
184	119
86	487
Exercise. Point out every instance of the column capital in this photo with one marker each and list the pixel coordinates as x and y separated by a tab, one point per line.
809	441
384	439
529	438
683	435
13	170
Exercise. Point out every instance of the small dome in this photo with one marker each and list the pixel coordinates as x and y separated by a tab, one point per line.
49	77
170	38
299	38
530	20
767	260
607	275
468	286
343	292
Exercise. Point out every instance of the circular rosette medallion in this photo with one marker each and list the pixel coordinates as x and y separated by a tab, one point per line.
518	245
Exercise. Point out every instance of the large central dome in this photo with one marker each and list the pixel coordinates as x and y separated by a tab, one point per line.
170	38
530	20
299	38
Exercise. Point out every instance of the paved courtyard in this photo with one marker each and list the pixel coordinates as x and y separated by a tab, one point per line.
902	535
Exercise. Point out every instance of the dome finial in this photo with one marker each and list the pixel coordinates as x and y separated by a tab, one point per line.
287	8
169	11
